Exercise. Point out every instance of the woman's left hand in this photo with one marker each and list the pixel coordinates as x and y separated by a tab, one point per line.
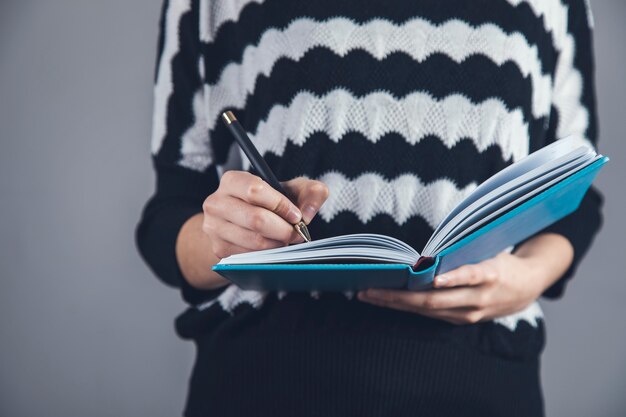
496	287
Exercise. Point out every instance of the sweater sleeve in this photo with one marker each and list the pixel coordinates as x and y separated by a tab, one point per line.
574	113
181	150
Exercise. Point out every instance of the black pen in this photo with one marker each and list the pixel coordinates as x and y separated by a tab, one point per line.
259	164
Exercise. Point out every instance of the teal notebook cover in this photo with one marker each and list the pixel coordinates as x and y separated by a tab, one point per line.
510	228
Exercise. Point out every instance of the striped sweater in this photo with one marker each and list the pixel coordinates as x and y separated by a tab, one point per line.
401	107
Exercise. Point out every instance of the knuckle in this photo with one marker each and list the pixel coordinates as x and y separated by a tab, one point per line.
491	273
471	272
208	205
260	242
228	177
207	227
220	250
472	317
255	188
483	300
318	188
282	206
257	219
209	224
431	301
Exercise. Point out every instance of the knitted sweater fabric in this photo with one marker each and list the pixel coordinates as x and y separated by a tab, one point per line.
402	109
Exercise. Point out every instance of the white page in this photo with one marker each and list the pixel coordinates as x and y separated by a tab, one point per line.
464	232
531	162
363	246
502	195
521	192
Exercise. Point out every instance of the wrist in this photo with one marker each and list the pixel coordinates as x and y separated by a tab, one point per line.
195	258
538	275
547	256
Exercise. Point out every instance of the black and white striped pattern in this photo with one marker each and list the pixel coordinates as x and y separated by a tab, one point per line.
402	108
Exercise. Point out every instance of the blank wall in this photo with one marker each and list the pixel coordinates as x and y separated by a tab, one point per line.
85	330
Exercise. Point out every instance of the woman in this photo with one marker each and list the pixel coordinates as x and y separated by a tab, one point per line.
381	115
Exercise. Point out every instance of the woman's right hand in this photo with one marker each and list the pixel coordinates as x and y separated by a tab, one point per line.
246	214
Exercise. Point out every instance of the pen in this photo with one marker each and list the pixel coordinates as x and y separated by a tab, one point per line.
259	164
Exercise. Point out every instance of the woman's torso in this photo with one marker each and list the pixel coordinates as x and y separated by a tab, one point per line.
401	108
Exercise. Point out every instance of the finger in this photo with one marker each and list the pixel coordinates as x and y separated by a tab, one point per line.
308	194
239	236
297	238
387	304
223	249
464	297
254	218
255	191
458	316
468	275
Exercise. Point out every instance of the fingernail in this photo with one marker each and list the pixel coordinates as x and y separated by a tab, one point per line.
441	280
308	212
293	215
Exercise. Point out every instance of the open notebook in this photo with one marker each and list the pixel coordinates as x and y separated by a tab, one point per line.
510	206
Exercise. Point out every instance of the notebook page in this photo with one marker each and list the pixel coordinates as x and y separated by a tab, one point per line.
509	191
359	247
451	240
533	161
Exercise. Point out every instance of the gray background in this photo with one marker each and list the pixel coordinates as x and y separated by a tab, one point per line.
85	330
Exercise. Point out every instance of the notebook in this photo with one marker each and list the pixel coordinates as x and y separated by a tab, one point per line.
512	205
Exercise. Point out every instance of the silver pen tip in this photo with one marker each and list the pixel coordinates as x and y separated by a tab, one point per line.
303	231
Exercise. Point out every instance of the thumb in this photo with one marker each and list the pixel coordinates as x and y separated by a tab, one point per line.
309	196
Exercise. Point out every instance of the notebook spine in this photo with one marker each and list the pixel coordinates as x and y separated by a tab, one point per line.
423	262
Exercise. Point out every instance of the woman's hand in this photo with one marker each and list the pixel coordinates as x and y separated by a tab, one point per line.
243	214
246	214
496	287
